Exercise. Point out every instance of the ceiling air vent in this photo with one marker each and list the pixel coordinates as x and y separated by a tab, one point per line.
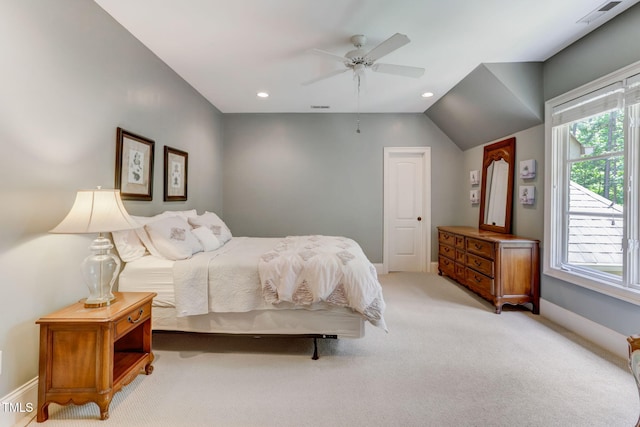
320	107
601	10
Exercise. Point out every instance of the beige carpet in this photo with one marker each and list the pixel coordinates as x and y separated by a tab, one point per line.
447	360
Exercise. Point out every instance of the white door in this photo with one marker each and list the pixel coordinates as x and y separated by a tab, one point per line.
406	208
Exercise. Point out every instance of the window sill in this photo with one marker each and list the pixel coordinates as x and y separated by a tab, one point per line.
625	294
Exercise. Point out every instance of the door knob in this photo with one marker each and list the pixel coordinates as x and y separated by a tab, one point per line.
419	218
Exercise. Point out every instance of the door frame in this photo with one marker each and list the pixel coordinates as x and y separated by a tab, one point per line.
425	152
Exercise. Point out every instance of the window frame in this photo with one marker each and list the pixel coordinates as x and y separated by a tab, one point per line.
628	288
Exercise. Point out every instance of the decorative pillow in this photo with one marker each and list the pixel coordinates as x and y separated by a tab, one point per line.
206	237
144	236
214	223
172	238
129	245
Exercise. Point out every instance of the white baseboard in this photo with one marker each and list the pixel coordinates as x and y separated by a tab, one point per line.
19	407
433	267
606	338
379	268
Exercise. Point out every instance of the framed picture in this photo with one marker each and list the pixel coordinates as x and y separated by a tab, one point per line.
176	164
528	169
527	194
134	166
474	177
474	197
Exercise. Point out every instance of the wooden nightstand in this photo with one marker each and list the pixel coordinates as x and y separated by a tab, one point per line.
89	354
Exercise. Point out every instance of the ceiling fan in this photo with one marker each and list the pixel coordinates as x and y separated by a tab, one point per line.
359	59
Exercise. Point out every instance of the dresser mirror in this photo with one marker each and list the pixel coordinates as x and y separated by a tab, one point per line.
496	195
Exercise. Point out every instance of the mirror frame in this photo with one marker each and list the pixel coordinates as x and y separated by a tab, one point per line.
505	150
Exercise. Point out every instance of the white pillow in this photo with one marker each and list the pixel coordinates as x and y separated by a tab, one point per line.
144	236
206	237
128	244
172	238
184	214
214	223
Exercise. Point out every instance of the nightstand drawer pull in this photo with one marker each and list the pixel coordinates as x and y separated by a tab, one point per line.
139	317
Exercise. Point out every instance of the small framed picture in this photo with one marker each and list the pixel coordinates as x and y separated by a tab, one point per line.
527	194
176	164
528	169
134	166
474	177
474	197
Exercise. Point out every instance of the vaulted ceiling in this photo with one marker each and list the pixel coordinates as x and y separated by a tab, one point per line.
229	50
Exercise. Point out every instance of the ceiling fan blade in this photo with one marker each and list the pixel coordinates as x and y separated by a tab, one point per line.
400	70
394	42
324	76
330	55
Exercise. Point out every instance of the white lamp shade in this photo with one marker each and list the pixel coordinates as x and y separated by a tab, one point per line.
96	211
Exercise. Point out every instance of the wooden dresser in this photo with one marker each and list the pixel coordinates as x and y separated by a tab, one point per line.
502	268
88	354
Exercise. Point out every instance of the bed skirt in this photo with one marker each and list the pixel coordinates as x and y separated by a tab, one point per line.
343	322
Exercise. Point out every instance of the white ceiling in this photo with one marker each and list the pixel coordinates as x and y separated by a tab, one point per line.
229	50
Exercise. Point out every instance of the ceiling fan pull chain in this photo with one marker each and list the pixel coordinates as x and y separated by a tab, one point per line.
358	108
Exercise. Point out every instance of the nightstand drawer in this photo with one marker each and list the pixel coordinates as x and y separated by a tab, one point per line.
132	319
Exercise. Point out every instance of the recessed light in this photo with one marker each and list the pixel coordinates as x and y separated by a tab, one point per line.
427	95
262	95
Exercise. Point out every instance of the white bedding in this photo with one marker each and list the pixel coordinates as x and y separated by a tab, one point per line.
234	263
231	280
304	270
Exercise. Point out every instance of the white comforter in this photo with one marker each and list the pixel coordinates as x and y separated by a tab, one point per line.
225	280
304	270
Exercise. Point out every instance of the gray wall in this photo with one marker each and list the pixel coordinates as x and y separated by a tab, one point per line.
291	174
70	75
607	49
527	220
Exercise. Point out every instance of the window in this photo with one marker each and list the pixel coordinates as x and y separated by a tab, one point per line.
592	217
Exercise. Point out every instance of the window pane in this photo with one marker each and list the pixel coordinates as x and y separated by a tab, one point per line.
597	185
596	193
596	243
597	135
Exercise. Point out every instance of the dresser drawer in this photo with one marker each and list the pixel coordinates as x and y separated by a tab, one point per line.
459	241
460	256
446	266
479	281
480	247
446	250
480	264
132	319
447	238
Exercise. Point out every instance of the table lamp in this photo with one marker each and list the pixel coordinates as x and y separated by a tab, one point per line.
98	211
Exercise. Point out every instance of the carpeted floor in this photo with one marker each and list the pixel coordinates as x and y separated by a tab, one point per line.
448	360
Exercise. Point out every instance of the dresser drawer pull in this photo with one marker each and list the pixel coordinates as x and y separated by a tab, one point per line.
477	263
139	317
478	247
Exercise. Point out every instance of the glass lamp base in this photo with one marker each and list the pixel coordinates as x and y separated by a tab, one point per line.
93	303
100	270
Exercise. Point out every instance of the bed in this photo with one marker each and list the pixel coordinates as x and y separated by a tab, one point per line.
208	281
